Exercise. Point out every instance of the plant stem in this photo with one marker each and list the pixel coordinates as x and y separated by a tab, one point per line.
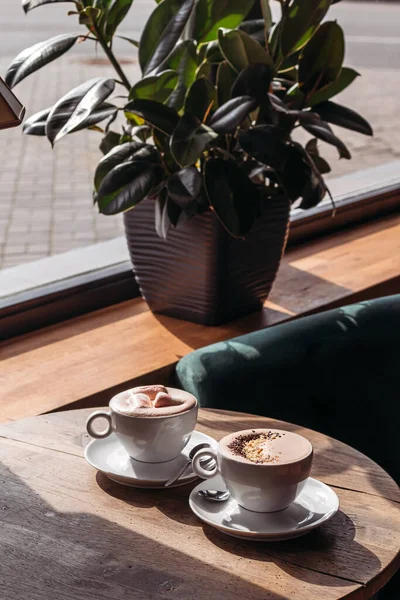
112	59
116	65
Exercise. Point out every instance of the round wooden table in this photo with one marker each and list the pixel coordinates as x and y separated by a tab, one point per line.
69	533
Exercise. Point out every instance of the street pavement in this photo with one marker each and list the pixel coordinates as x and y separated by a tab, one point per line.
46	195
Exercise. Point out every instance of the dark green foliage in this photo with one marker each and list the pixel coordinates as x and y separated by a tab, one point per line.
210	123
231	114
232	195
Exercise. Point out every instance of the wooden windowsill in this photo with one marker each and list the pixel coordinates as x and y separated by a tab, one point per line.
83	361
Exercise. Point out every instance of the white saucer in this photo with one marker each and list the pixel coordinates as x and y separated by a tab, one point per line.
316	504
110	457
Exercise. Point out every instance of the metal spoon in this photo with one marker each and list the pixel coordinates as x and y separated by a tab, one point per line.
188	463
214	495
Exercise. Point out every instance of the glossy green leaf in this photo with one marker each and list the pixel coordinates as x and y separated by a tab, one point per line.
233	197
28	5
321	60
267	16
184	187
162	31
321	165
162	221
314	192
289	64
109	141
300	179
174	211
126	185
295	173
156	114
315	189
255	29
111	120
115	14
90	16
319	162
325	133
155	87
184	60
266	143
141	133
35	57
161	141
343	116
213	52
205	70
36	124
104	111
201	97
300	22
211	15
130	40
344	79
274	43
64	108
226	77
189	140
287	115
254	81
93	98
240	50
116	156
231	114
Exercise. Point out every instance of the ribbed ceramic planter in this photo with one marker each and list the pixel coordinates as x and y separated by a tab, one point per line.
200	273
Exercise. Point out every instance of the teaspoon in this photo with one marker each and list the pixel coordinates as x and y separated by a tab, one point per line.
192	453
214	495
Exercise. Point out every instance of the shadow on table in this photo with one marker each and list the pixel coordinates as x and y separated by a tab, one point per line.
174	505
333	545
331	550
47	554
291	296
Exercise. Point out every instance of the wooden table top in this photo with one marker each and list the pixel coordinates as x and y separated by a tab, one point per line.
69	533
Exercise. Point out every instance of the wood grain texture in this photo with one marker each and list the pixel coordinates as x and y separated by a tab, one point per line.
89	358
71	534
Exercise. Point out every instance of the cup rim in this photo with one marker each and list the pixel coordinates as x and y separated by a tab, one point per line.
269	465
148	418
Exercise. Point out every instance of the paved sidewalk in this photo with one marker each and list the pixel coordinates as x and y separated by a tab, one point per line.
46	195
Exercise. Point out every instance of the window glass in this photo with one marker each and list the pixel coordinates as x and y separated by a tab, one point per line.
46	203
46	194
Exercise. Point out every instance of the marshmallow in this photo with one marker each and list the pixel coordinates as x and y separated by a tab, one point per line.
163	399
141	401
150	390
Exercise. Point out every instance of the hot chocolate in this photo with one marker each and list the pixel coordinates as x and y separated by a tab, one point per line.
266	446
152	401
263	469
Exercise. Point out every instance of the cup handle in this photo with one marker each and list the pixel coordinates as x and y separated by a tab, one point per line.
101	434
198	469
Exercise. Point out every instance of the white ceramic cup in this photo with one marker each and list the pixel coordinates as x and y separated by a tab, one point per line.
260	487
148	439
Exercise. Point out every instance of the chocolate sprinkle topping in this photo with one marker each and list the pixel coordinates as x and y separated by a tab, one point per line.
238	443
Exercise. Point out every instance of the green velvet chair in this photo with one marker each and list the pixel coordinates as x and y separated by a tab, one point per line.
337	372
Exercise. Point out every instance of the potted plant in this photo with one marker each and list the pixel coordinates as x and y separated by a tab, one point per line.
205	168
